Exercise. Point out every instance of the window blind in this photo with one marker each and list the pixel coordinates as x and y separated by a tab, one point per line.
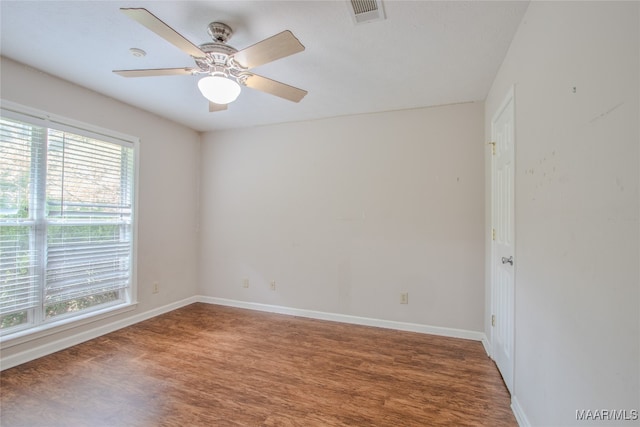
89	203
66	222
18	254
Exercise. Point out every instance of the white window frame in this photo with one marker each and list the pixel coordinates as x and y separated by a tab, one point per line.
15	111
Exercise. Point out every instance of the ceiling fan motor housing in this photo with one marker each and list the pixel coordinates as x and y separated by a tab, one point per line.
219	61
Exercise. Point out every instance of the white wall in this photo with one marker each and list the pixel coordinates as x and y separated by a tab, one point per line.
577	259
347	213
168	185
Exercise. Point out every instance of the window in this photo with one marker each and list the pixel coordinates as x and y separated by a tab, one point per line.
66	221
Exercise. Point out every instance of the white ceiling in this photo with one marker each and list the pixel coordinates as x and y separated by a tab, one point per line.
425	53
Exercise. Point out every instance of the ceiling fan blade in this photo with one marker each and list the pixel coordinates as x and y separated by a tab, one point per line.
152	22
151	72
213	107
275	47
273	87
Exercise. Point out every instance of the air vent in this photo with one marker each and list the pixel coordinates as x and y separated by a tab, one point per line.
366	10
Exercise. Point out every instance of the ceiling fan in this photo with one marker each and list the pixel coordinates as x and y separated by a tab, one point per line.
224	67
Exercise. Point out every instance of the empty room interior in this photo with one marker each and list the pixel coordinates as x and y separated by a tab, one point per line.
402	213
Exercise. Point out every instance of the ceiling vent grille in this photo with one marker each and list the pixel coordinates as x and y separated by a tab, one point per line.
366	10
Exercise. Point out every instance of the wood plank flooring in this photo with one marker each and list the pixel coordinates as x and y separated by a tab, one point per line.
208	365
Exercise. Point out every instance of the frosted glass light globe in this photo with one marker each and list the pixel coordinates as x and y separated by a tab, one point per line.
218	89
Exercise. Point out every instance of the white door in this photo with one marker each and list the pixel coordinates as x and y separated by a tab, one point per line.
502	254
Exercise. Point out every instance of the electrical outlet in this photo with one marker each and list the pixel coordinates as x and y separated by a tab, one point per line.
156	287
404	298
272	285
245	283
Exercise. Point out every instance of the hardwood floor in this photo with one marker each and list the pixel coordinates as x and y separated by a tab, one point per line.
208	365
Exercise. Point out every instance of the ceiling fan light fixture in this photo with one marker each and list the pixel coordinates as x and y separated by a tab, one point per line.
219	89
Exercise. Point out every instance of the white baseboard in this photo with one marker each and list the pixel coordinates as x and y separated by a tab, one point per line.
62	343
486	345
345	318
521	418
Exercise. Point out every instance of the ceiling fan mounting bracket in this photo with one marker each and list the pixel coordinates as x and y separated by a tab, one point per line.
219	32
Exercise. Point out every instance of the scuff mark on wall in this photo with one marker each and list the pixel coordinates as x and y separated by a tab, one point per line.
606	113
545	169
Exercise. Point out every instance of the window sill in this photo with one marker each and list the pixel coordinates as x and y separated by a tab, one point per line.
31	334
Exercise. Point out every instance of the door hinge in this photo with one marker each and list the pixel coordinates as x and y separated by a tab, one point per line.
493	147
493	320
493	234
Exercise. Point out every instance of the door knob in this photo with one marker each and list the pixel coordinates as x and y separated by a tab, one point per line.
506	260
